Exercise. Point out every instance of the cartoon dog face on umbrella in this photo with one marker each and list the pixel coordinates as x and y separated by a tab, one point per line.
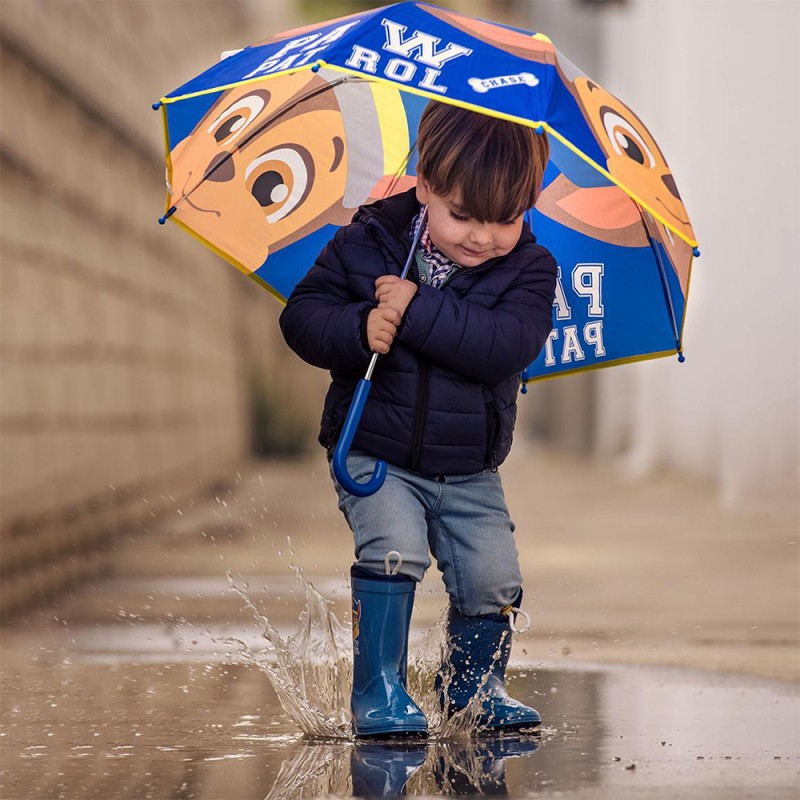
635	160
268	163
633	156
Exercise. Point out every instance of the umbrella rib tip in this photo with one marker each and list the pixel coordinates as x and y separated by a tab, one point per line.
170	212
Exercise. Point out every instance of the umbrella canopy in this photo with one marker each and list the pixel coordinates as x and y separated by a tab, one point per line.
273	148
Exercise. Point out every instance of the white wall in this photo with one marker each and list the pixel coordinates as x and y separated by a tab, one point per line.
718	82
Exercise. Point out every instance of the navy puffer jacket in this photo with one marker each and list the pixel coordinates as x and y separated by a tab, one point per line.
443	400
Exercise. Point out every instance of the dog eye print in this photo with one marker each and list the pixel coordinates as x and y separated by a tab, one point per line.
280	180
624	138
256	173
229	126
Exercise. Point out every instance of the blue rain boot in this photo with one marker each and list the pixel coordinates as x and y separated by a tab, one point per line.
383	770
380	703
479	648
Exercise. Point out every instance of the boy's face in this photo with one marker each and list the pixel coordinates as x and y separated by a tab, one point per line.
460	237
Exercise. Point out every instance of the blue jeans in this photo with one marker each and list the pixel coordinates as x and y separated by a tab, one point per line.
462	520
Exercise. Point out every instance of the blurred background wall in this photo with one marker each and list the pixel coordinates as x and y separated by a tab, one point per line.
129	353
714	82
137	367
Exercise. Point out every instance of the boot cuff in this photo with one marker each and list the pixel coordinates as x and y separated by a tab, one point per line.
361	573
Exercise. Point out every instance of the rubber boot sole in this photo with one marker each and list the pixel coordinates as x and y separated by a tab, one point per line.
392	735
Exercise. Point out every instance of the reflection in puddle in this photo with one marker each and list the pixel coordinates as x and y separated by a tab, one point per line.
380	770
394	769
315	769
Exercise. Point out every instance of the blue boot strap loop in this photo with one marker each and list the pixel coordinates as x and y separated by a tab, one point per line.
501	616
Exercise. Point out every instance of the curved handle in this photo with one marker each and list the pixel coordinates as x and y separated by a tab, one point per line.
343	448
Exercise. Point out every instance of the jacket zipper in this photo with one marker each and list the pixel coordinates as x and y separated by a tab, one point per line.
420	416
492	431
333	439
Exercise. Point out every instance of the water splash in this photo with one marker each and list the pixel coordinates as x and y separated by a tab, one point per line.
424	661
311	670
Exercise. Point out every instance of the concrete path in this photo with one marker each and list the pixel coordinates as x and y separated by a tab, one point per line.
649	572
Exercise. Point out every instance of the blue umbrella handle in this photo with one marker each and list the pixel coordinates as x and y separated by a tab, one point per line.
343	448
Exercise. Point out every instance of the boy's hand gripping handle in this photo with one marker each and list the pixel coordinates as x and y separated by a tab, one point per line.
343	448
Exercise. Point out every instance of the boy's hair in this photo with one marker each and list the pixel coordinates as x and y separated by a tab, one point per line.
495	166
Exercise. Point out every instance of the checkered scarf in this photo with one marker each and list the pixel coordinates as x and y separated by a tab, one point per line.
440	267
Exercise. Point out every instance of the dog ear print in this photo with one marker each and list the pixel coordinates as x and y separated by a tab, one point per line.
389	184
606	207
605	213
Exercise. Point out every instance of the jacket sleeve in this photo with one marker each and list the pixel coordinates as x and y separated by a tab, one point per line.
321	322
485	344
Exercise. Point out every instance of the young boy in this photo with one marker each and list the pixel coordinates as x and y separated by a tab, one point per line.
475	311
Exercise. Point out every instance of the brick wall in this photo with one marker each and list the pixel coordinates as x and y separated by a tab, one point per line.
124	345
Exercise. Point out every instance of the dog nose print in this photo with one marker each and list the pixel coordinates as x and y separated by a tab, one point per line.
220	168
669	182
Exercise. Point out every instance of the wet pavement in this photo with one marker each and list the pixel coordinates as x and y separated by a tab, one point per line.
155	682
173	720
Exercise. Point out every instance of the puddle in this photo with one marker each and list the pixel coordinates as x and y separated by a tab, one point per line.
89	730
143	709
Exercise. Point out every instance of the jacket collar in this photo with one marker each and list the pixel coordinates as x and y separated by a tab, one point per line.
394	213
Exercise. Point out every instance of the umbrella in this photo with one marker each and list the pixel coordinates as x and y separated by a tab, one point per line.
274	147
